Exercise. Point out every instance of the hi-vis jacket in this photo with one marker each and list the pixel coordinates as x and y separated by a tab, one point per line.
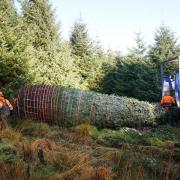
4	101
168	100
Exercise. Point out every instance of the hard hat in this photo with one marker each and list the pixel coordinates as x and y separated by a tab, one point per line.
167	92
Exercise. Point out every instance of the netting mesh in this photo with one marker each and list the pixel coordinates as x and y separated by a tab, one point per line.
37	103
65	106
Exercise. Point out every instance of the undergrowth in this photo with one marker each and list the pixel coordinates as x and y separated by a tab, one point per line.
37	151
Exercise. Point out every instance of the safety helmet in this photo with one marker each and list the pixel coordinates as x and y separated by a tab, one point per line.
167	93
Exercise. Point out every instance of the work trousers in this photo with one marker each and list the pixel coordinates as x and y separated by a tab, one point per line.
4	114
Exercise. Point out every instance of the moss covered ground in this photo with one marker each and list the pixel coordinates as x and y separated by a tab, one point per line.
30	150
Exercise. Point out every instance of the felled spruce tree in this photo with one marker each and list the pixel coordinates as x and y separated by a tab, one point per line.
68	107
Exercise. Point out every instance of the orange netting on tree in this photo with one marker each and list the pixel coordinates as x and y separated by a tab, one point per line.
66	106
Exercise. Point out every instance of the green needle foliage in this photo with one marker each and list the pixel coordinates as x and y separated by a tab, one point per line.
165	45
32	51
50	58
13	43
68	107
138	74
88	55
133	77
140	48
79	39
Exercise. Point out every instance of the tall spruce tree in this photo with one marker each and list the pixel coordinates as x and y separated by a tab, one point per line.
91	61
79	39
51	60
140	48
13	43
82	51
40	17
165	45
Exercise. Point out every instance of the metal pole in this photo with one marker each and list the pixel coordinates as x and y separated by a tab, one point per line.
162	74
179	72
178	103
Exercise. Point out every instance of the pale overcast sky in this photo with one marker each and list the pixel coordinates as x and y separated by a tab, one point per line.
114	22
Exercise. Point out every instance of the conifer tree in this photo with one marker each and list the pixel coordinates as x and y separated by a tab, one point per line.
140	48
13	62
40	17
165	45
79	39
133	77
51	60
82	51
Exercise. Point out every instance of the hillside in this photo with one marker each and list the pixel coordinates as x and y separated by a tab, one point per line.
82	112
37	151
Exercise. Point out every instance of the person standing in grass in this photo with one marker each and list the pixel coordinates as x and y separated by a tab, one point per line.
5	111
168	101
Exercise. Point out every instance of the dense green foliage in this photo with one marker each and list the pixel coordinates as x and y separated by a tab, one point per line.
89	56
13	43
50	59
80	41
32	50
165	45
134	77
137	74
6	153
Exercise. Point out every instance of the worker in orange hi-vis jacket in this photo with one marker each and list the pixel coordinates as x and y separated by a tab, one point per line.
167	101
5	111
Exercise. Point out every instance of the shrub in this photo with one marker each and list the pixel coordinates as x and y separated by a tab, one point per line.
84	130
155	141
7	154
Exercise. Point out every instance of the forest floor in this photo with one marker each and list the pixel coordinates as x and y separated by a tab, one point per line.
30	150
